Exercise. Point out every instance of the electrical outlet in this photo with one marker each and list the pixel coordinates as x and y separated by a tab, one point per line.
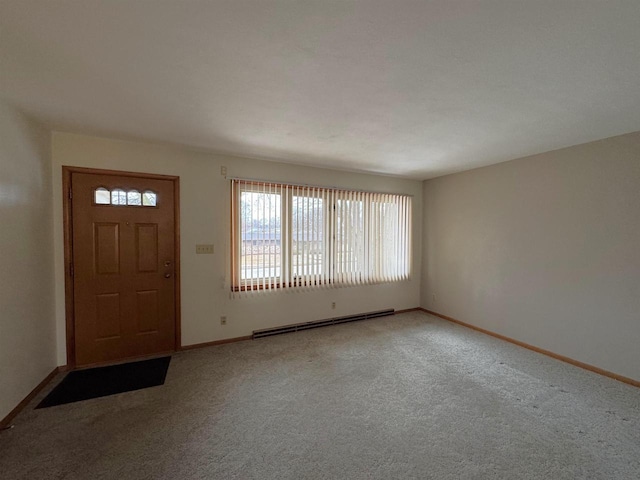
223	320
204	249
333	305
223	171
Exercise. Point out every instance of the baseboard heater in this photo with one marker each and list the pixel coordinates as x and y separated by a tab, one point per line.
267	332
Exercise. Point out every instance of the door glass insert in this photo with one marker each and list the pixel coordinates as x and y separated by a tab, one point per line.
102	196
132	198
149	198
118	197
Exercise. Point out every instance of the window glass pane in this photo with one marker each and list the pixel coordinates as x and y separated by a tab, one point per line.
102	196
307	236
261	248
118	197
350	236
133	198
149	199
386	233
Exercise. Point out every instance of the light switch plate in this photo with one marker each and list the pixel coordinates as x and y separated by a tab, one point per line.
205	249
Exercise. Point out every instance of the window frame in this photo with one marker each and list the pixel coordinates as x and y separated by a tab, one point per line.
335	272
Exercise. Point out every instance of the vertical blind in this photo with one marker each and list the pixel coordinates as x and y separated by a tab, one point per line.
302	237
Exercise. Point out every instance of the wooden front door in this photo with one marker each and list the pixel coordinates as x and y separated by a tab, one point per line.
124	266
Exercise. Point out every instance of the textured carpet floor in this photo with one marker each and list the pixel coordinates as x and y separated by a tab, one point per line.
401	397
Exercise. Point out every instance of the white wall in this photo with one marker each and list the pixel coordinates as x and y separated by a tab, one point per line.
27	328
205	219
544	249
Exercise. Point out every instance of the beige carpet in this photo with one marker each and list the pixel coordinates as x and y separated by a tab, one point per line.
401	397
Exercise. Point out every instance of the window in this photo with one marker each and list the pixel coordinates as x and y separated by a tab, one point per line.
287	236
102	196
117	196
134	198
149	199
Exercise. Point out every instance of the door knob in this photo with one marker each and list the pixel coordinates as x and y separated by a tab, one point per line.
167	275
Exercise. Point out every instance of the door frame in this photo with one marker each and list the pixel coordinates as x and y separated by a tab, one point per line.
67	219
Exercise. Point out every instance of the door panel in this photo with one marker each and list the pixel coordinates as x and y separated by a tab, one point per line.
147	311
147	247
107	316
123	255
107	247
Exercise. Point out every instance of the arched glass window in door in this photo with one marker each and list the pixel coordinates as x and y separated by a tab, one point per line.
102	196
149	199
118	197
134	198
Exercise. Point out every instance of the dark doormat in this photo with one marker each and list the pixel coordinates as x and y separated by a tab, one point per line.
102	381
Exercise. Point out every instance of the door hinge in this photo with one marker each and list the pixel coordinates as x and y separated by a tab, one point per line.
70	194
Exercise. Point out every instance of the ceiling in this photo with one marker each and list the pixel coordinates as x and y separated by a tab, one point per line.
411	88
